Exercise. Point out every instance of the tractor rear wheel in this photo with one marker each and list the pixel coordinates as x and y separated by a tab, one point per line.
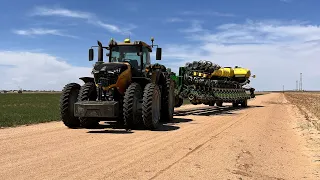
67	99
151	106
88	92
167	108
131	111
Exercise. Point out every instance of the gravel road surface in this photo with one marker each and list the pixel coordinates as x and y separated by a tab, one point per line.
262	141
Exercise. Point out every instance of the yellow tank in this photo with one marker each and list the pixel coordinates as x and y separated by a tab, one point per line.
242	72
217	73
224	72
228	72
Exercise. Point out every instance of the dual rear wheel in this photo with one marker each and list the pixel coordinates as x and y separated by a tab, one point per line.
71	94
148	107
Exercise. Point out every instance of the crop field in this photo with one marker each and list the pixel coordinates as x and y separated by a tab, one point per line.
309	101
28	108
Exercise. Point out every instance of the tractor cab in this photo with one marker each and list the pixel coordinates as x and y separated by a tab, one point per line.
136	53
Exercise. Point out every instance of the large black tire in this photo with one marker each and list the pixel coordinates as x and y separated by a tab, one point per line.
151	106
88	92
179	102
167	105
235	104
244	103
211	103
219	103
67	99
132	114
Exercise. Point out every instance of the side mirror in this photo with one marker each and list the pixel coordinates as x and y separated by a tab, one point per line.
158	55
91	54
139	53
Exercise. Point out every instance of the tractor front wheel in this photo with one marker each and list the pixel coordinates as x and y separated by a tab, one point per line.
67	99
131	111
151	106
88	92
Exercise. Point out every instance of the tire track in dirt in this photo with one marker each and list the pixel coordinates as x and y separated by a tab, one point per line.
195	149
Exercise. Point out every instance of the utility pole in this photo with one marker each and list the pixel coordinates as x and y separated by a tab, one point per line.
300	82
297	86
283	88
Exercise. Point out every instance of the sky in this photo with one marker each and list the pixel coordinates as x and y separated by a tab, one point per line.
44	43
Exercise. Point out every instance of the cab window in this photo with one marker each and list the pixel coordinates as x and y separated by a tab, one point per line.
146	56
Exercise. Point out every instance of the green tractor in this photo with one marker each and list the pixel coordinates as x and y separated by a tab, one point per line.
126	88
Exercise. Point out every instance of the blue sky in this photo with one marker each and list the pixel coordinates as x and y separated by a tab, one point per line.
44	44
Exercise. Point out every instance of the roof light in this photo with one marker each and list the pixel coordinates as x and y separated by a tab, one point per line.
127	40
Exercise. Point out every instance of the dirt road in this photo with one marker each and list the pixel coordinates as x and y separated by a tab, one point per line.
260	142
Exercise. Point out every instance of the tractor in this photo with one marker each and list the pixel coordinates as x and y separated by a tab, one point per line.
125	88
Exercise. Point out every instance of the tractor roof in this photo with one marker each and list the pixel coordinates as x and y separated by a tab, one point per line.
127	42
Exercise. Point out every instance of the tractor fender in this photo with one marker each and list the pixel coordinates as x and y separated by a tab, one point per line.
158	77
143	81
87	79
155	76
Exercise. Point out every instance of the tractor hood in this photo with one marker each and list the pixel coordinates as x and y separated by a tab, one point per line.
112	76
107	74
109	68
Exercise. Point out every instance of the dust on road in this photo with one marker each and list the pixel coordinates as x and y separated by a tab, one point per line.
260	142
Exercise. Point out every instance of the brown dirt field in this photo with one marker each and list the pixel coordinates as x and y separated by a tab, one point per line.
308	104
268	140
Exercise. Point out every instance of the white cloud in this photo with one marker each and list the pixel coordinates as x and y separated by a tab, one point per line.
114	28
276	52
41	31
174	19
286	1
44	11
37	71
207	13
89	17
195	27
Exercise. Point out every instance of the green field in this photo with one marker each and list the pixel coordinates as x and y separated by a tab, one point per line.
31	108
28	108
